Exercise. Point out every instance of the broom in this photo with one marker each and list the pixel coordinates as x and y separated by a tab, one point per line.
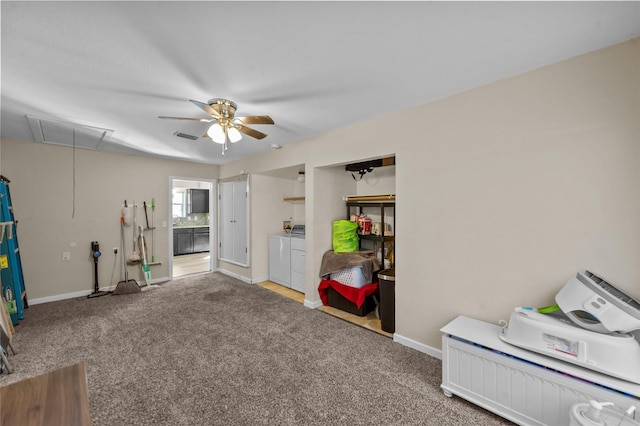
128	285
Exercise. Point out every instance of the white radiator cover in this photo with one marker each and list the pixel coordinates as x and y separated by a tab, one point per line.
519	385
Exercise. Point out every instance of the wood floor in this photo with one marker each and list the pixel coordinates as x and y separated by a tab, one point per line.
188	264
370	321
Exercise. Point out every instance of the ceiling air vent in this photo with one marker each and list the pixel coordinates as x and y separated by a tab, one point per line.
67	133
186	136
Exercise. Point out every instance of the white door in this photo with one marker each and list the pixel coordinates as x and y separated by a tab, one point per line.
240	222
225	224
233	223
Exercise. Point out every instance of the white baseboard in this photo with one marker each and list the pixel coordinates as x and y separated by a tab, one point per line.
259	280
421	347
158	280
59	297
312	305
84	293
234	275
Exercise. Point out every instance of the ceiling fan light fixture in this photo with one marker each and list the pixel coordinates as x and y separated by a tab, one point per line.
234	134
216	133
226	127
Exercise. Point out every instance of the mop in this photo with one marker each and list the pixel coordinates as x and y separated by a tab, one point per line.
153	226
144	264
128	285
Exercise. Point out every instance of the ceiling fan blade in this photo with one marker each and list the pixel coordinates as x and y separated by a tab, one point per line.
251	132
256	119
204	120
206	108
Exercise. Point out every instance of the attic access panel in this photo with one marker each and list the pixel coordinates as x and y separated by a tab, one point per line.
67	133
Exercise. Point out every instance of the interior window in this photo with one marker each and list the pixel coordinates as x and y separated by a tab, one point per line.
179	203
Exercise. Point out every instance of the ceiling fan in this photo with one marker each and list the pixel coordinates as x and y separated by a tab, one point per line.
226	126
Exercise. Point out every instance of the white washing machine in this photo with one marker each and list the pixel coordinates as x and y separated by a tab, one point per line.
287	258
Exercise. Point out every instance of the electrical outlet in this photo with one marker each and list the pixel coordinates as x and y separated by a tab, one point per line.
66	255
115	250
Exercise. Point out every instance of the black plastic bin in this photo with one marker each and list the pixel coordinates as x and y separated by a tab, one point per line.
338	301
387	309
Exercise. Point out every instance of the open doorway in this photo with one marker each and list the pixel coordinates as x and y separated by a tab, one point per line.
191	230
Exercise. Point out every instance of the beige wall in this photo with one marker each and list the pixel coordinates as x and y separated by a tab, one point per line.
42	192
504	192
527	181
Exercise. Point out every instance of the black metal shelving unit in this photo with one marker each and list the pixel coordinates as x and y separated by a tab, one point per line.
378	240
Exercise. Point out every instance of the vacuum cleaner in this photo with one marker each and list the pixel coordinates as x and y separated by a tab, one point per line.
95	253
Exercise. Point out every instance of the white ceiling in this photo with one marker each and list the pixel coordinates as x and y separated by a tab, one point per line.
312	66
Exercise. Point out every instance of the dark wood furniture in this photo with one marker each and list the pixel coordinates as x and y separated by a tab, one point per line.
57	398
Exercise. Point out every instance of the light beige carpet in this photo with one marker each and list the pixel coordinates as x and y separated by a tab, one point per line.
212	350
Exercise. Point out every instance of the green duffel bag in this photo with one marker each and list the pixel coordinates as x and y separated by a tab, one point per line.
345	237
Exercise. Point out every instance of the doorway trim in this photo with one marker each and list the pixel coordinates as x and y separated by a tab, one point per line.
213	220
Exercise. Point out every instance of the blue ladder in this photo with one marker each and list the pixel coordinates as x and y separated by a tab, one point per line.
13	289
